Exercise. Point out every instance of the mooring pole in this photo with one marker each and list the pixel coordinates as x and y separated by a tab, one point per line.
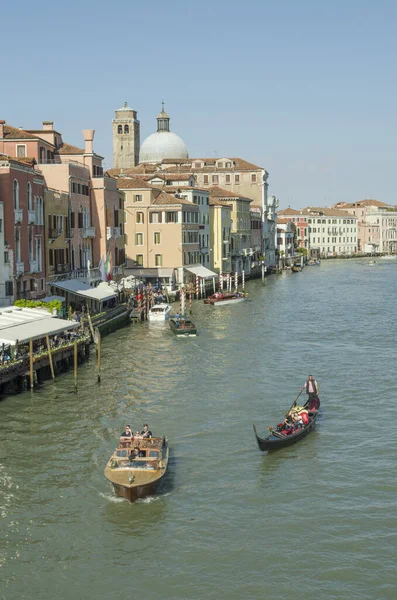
50	356
31	363
75	367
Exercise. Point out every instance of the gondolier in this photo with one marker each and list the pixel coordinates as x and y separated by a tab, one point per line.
311	387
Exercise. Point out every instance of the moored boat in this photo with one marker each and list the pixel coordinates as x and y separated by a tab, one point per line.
225	298
159	312
296	268
389	257
286	435
183	326
135	477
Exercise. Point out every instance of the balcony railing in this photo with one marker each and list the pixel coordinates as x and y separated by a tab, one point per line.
18	215
109	232
60	269
19	268
118	270
89	232
53	234
117	232
33	266
31	217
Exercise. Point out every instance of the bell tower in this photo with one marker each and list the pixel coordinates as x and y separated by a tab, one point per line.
126	138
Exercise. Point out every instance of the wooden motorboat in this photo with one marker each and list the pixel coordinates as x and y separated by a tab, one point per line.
141	476
226	298
279	438
183	326
296	268
159	312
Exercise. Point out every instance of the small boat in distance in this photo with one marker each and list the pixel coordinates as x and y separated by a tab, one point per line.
389	257
225	298
159	312
135	477
286	435
296	268
183	326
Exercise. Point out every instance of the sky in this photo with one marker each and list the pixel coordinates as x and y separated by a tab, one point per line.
307	90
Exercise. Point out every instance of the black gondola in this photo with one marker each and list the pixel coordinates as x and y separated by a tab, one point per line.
277	440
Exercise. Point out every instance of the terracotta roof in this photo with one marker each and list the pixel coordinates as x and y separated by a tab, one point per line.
362	203
175	188
215	202
164	198
217	192
288	211
69	149
238	164
131	183
14	133
317	211
23	160
282	221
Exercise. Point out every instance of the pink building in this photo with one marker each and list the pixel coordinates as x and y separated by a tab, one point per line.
22	192
95	222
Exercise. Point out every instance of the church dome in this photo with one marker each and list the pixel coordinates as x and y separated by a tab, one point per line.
163	143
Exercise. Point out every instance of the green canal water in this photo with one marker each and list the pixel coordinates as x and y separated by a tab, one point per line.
315	521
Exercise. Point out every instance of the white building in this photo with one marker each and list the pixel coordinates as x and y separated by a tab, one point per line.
324	231
285	238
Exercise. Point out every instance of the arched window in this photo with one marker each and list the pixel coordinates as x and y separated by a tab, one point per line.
15	193
29	195
126	129
120	129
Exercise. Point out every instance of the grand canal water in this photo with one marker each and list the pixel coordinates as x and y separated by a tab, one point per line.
315	521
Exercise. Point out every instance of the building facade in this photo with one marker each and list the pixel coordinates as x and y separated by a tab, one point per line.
376	225
241	247
220	236
22	193
285	238
57	233
324	231
161	230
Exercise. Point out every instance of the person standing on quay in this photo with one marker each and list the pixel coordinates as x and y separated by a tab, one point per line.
311	387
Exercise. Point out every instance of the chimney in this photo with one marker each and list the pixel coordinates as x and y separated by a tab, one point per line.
2	123
48	125
88	138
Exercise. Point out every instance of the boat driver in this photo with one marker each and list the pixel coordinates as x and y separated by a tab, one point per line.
136	453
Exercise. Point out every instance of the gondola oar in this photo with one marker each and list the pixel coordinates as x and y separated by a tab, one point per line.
294	402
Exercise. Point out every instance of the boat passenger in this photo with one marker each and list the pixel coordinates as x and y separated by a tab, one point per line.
137	436
126	435
146	433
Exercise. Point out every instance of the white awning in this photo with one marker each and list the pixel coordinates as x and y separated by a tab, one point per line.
101	292
201	271
35	330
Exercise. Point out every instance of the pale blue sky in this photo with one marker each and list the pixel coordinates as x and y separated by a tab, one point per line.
305	89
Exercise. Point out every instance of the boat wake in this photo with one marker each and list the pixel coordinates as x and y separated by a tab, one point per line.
111	498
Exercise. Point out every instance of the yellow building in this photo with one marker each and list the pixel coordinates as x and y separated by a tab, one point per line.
241	247
57	232
220	236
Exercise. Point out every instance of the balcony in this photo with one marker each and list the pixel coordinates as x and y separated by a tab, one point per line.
118	270
18	215
60	269
89	232
31	217
53	234
33	266
19	268
117	232
109	232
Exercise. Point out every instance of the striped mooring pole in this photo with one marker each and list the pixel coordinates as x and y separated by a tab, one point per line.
197	287
243	280
236	281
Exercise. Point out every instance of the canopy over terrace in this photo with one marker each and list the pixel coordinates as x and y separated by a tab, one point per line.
201	271
97	298
34	330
